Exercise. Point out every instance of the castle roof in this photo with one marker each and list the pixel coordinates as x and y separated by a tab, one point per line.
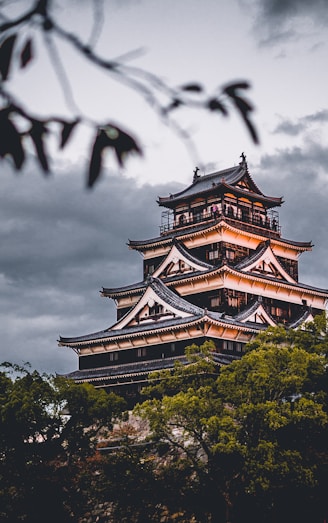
235	178
178	250
179	314
139	370
261	265
196	230
183	313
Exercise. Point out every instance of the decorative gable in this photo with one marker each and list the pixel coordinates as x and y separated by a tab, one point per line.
244	184
156	305
266	264
179	261
256	314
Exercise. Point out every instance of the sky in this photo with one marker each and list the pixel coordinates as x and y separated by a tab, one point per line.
61	243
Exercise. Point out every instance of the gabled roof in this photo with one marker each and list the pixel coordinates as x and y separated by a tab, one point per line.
236	177
179	253
256	314
170	267
171	305
262	265
173	310
263	261
305	317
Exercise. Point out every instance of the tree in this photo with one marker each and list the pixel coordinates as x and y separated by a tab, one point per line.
48	429
20	127
253	438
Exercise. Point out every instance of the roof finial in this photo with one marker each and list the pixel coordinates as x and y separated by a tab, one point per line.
196	176
243	162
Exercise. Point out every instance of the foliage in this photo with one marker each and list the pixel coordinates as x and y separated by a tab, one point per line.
255	435
199	371
48	427
244	442
20	127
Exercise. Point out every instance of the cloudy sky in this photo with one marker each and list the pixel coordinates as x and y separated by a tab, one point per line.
60	243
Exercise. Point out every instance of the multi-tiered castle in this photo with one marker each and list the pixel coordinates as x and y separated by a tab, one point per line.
220	270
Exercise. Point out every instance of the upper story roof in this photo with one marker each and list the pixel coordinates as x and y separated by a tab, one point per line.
203	228
235	179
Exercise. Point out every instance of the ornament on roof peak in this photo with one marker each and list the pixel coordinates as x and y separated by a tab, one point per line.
196	175
243	162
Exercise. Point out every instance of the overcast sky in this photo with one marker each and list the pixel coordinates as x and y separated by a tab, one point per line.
61	243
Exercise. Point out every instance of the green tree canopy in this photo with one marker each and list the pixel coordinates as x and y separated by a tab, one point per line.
254	436
48	426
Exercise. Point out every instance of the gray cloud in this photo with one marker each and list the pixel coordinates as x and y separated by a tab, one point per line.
297	127
300	176
59	245
278	21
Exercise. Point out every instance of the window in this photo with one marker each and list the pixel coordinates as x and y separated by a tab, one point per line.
228	345
113	356
232	346
233	301
141	352
213	255
215	302
278	312
230	255
150	269
156	309
197	215
239	347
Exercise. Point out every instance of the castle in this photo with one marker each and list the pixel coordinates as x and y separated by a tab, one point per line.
220	270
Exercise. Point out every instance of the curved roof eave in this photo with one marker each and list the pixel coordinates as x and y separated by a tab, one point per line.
115	292
183	234
226	178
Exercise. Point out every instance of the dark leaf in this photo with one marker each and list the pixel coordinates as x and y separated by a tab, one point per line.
11	140
232	88
101	141
6	50
244	108
195	88
215	105
113	138
251	128
173	105
67	132
26	54
123	144
37	132
243	105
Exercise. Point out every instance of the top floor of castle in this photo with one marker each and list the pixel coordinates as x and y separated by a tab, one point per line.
230	193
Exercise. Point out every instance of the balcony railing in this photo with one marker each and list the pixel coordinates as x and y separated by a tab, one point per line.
251	222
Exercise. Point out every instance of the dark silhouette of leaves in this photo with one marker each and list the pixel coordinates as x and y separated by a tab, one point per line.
99	145
176	102
243	106
6	50
37	132
122	143
230	89
114	138
215	105
11	140
26	54
195	88
66	132
147	85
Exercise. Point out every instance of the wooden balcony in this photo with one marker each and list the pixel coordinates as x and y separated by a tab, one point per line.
251	223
